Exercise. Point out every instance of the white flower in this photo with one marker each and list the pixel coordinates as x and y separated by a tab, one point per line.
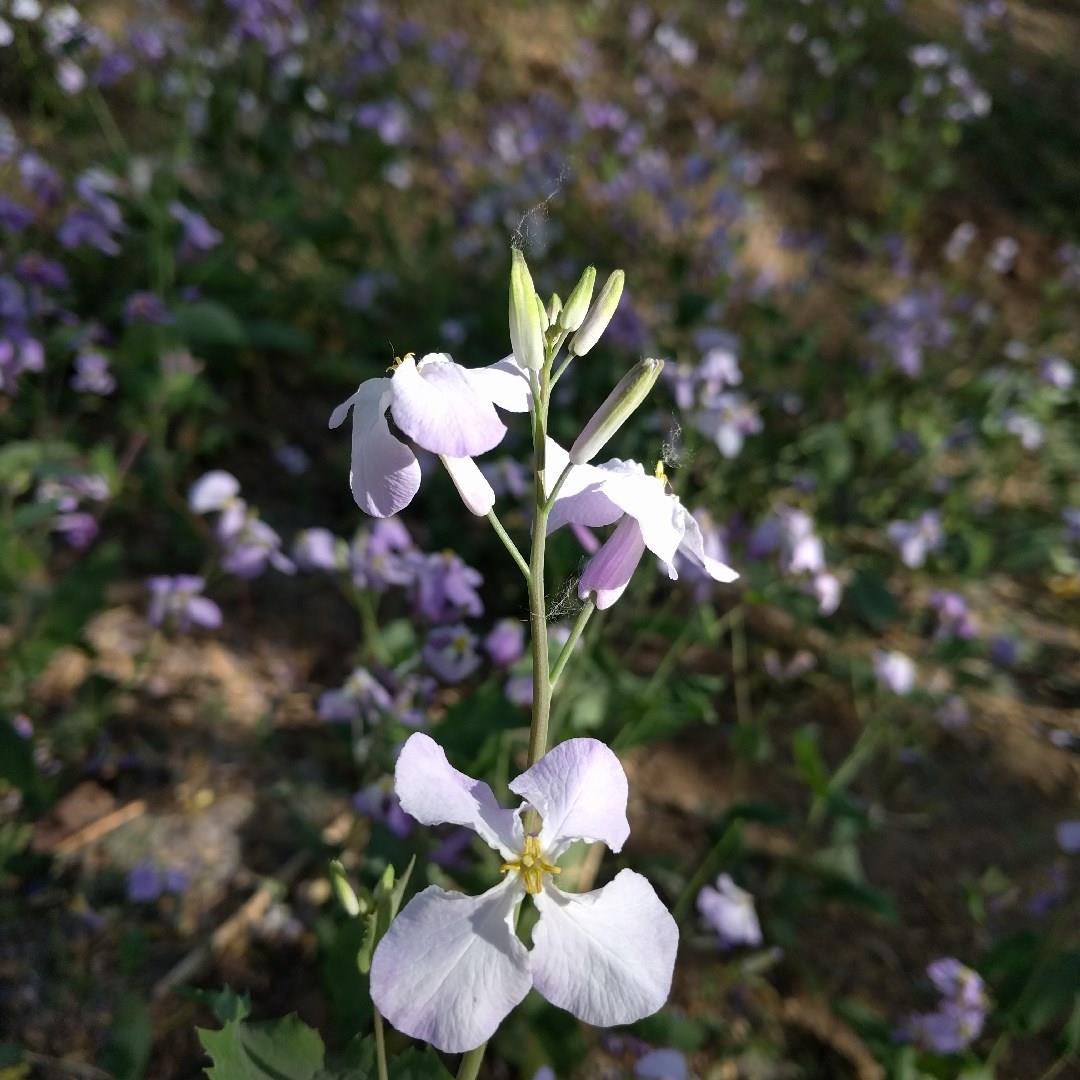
451	966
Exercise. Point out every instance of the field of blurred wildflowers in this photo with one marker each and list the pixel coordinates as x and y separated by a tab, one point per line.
850	229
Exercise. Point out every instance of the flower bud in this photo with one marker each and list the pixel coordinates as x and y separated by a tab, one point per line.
526	333
543	313
343	891
577	303
554	307
599	315
630	392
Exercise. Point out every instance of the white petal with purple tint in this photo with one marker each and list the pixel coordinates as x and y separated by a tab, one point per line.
581	500
434	792
503	383
451	967
384	474
473	487
609	571
606	956
579	789
437	406
693	548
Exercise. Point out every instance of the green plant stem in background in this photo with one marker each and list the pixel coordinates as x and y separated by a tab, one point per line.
583	617
509	544
380	1047
469	1069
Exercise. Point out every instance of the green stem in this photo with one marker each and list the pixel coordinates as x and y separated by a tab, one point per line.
380	1048
584	615
509	544
469	1069
550	502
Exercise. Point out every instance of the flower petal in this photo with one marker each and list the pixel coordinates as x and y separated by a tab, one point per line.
475	491
660	515
606	956
580	791
451	967
609	571
503	383
384	474
581	500
437	406
434	792
693	548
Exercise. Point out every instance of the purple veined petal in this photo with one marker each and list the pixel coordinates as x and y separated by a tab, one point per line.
581	500
693	548
435	793
579	789
437	406
503	383
609	571
212	491
451	967
475	491
606	956
384	474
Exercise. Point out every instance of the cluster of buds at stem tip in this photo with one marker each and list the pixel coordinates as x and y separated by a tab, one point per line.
527	315
596	321
618	406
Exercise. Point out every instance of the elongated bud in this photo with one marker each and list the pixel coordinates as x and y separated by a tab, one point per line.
599	315
526	332
630	392
543	313
577	303
554	307
343	891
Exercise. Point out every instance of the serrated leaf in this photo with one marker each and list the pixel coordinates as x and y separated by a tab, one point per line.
285	1049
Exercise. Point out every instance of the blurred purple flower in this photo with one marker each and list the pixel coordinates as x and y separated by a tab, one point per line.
381	805
730	912
249	544
450	651
961	1012
954	620
446	588
293	459
361	697
178	601
198	236
662	1064
519	690
383	555
1026	428
916	539
92	375
147	308
894	671
14	217
505	643
213	491
318	549
1057	372
1068	837
78	528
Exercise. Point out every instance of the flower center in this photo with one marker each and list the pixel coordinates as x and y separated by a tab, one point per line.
532	866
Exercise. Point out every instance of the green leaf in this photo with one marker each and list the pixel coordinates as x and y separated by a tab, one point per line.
130	1039
207	322
871	600
280	336
417	1064
285	1049
226	1004
809	762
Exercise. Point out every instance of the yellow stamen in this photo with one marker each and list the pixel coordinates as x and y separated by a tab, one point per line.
532	866
659	473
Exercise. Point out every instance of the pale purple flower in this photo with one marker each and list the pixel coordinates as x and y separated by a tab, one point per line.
213	491
802	551
800	664
1004	650
35	269
445	587
662	1064
179	602
960	239
147	882
92	375
728	419
508	477
14	218
828	590
960	1015
147	308
730	912
78	528
519	690
450	651
381	805
318	549
1026	428
451	967
714	544
198	236
895	671
505	643
1003	254
954	620
1068	837
916	539
382	556
249	544
644	513
442	407
1057	372
362	696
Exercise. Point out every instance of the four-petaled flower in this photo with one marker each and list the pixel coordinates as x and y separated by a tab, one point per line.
451	966
442	407
647	516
